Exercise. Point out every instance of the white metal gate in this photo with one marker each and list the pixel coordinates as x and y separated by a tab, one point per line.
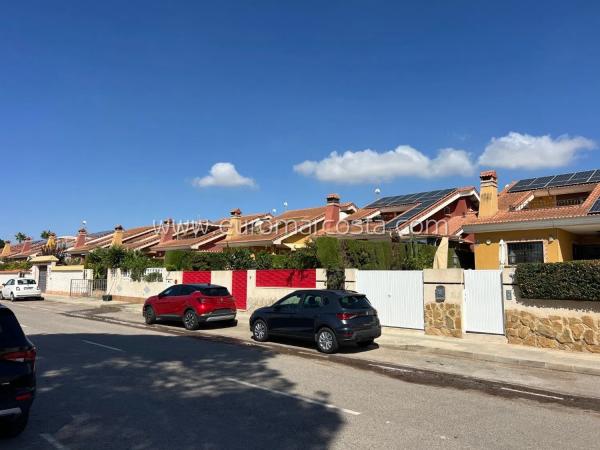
484	310
397	295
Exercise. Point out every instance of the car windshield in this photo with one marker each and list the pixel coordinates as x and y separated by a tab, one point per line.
11	334
25	281
217	291
354	302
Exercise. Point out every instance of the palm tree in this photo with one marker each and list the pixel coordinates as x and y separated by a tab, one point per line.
45	234
20	237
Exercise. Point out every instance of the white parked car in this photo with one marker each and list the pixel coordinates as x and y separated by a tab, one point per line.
20	288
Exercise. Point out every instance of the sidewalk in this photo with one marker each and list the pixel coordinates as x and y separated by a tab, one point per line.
481	356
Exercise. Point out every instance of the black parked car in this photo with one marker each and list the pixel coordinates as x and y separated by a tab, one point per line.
329	318
17	375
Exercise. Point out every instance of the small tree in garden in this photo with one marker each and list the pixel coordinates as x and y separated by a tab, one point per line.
135	262
102	259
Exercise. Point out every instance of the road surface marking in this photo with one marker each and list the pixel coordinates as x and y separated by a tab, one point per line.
296	396
397	369
103	346
532	393
53	442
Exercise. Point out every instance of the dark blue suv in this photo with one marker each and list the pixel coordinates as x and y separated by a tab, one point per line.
17	375
329	318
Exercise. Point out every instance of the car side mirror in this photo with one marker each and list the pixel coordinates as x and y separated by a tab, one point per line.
161	295
276	307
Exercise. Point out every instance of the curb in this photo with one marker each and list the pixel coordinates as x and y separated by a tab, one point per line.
532	363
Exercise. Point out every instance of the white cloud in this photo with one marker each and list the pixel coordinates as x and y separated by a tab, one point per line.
369	166
523	151
223	174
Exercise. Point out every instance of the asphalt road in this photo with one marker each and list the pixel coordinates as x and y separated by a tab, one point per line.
103	386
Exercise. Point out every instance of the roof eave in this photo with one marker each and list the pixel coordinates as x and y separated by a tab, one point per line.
531	224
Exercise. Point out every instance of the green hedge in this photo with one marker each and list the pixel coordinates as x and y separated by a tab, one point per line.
374	255
328	252
576	280
325	252
17	265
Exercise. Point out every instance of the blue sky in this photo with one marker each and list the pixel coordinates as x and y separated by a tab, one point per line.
115	112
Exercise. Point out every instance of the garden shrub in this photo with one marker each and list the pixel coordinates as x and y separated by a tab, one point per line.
574	280
207	261
16	265
135	262
132	261
365	255
153	277
238	259
178	259
263	260
302	258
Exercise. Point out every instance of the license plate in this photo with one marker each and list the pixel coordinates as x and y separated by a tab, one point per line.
27	288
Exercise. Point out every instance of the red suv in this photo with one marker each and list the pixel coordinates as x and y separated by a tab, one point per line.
192	303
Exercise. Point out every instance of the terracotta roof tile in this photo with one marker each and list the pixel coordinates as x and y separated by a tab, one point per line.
507	201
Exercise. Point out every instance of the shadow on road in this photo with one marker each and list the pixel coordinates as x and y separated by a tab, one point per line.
167	392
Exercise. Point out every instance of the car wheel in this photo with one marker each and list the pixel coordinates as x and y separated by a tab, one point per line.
326	341
14	427
149	315
1	296
365	343
12	297
260	330
190	320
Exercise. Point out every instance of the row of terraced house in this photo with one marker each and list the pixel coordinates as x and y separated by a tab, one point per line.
547	219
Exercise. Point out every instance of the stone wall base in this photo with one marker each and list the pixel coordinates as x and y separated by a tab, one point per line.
578	334
443	319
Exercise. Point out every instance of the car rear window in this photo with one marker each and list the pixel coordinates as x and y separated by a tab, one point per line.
214	291
11	334
25	281
354	302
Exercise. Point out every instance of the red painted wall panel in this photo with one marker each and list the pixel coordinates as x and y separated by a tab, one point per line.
287	278
197	277
239	288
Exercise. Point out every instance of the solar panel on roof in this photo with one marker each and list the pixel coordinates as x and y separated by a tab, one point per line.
560	180
581	177
377	203
567	179
410	214
540	182
595	177
596	208
407	199
522	185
